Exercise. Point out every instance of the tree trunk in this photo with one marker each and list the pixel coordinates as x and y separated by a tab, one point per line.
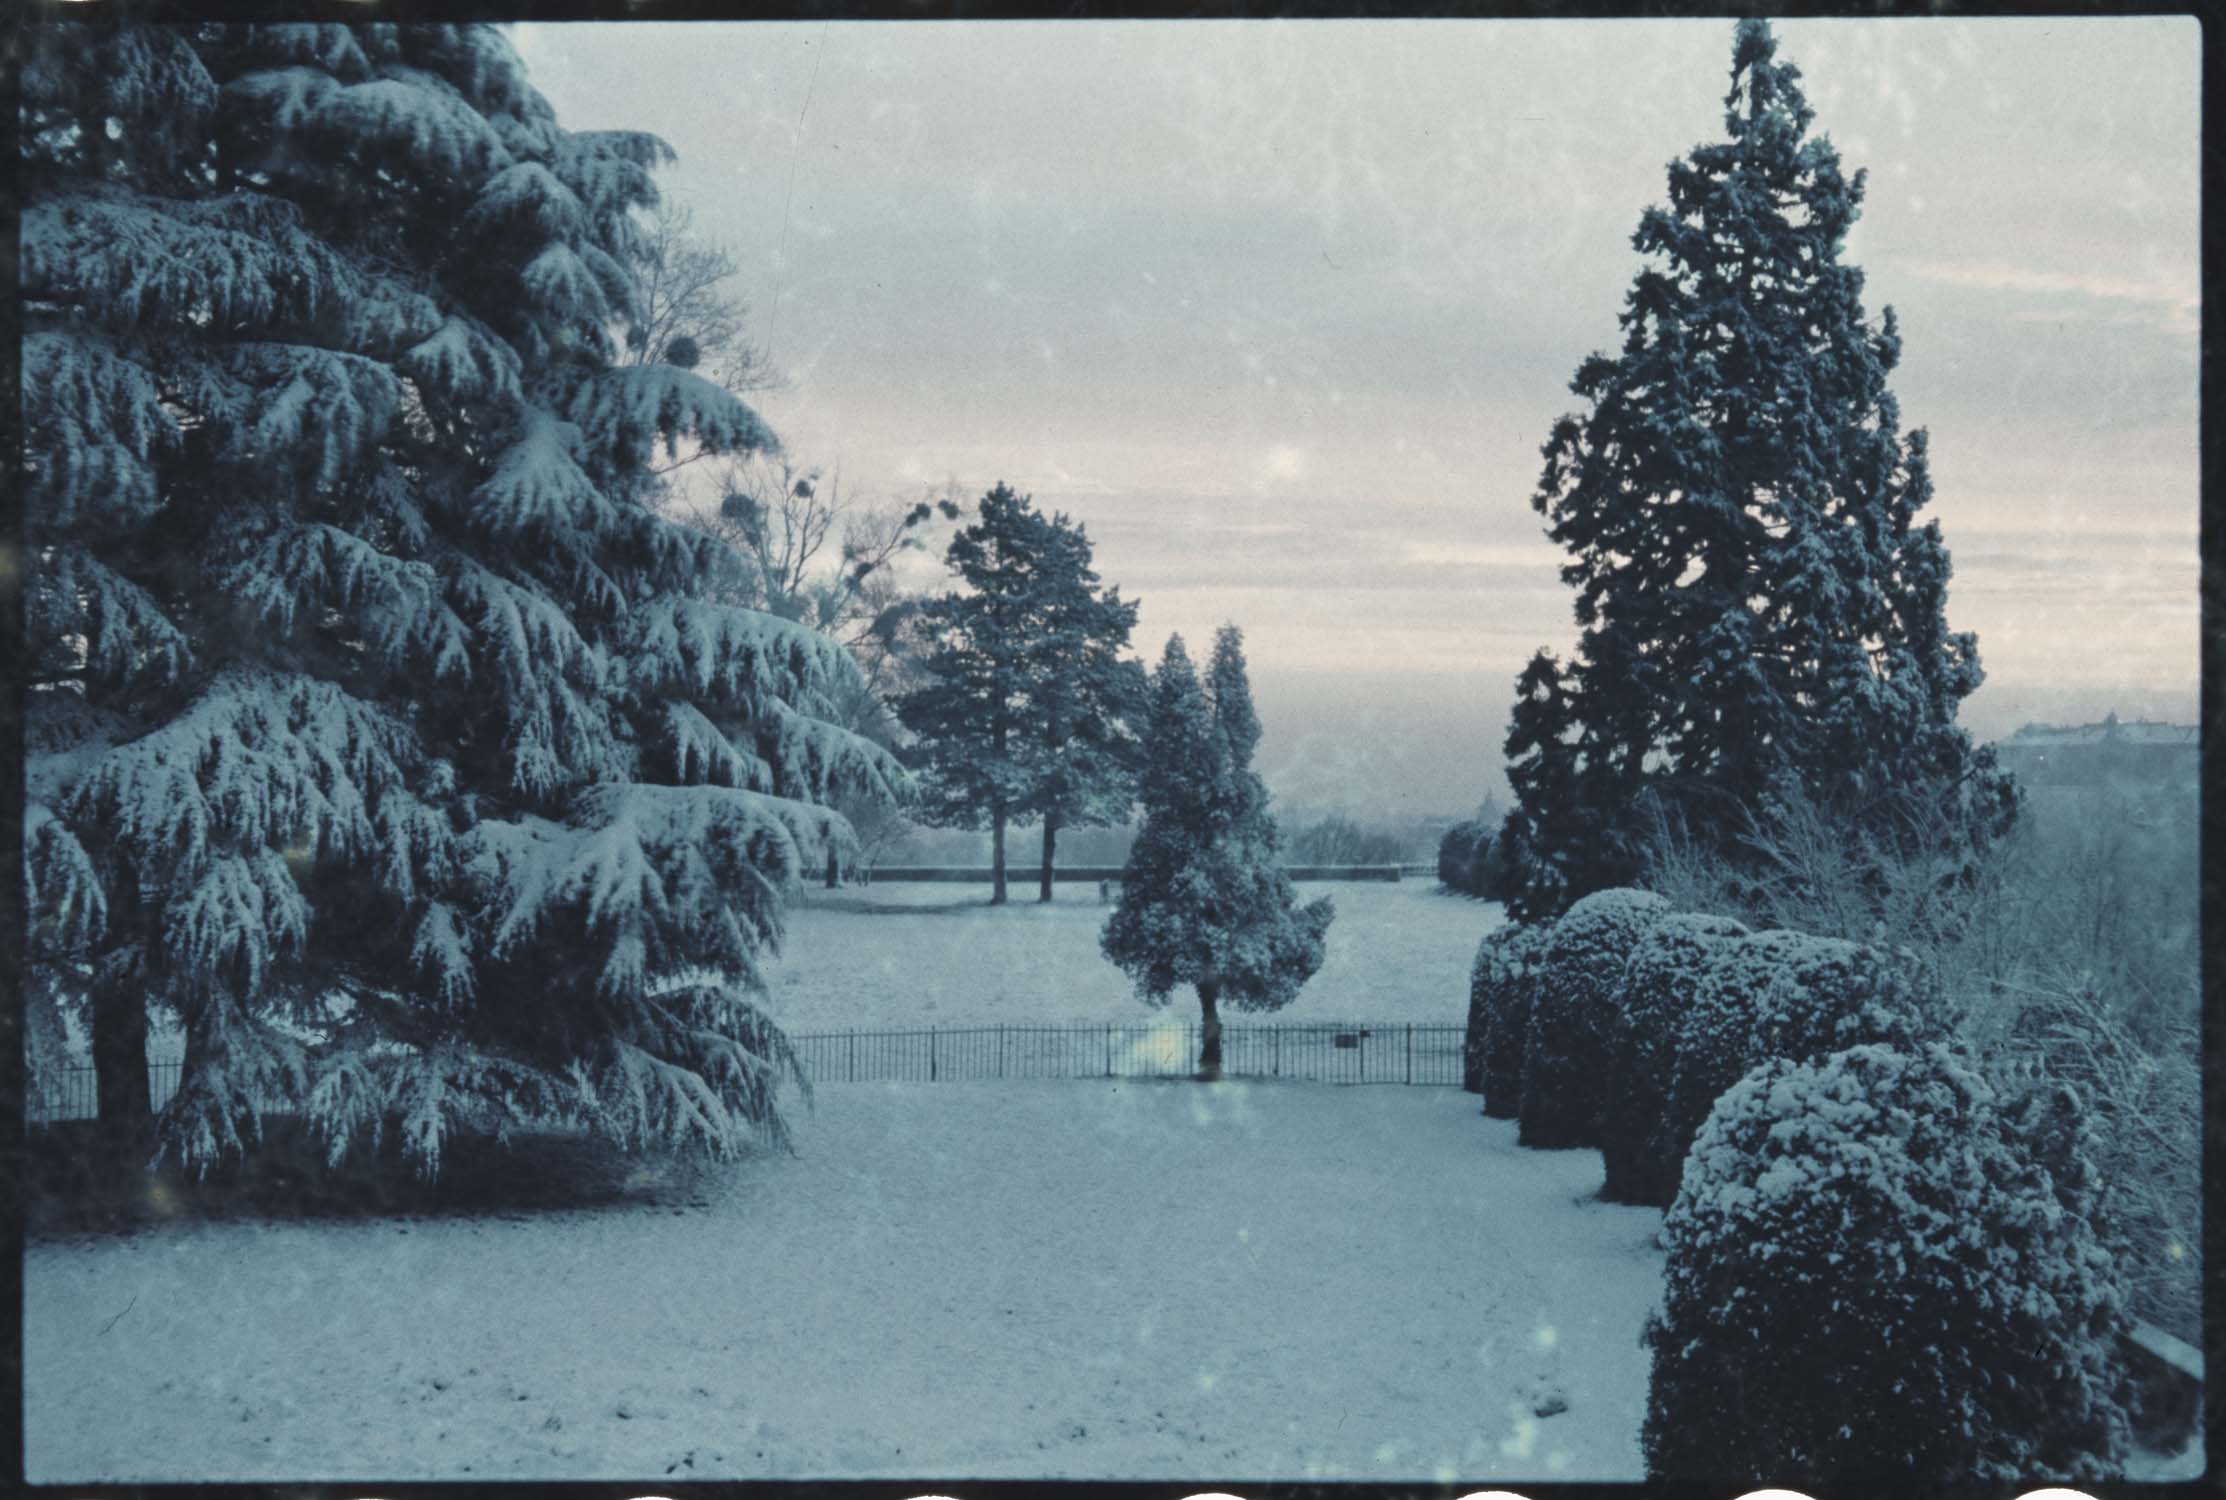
121	1092
997	855
834	875
1209	1032
1050	846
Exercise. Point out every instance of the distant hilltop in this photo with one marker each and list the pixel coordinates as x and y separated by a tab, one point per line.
2140	749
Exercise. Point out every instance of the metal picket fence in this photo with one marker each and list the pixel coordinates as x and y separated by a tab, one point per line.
1315	1052
70	1093
1350	1052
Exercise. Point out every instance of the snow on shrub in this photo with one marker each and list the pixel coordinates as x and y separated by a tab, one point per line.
1501	960
1666	970
1782	994
1876	1267
1572	1012
1507	972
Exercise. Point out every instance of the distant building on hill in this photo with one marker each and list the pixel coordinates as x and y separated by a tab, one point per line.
2082	754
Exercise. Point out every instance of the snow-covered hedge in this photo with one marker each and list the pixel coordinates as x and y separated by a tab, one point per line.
1500	1014
1572	1014
1666	970
1876	1268
1501	960
1782	994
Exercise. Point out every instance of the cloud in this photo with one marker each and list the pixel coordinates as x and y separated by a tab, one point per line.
1283	310
2179	304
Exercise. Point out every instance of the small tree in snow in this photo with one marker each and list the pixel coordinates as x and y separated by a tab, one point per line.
372	701
1878	1269
1204	901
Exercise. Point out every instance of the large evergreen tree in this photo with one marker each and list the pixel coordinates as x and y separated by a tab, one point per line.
1086	699
1756	597
377	729
1027	709
1204	900
968	717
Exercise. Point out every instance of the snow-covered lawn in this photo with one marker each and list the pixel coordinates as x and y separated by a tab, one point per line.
1244	1280
921	954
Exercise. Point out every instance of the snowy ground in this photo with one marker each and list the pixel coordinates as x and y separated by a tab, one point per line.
922	953
1018	1279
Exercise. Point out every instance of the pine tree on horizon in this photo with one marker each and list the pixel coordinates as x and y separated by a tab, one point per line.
1760	610
1204	900
377	727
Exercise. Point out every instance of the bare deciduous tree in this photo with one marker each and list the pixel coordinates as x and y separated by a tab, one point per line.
816	554
690	316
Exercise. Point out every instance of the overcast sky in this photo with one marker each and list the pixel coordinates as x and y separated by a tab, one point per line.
1284	310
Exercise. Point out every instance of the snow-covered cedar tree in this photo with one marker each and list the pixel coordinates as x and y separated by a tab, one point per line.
1665	971
1025	709
378	726
1877	1270
1573	1000
1779	994
1499	1010
1754	593
1204	900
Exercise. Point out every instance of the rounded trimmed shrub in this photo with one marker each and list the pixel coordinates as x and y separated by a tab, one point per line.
1499	1016
1781	994
1665	971
1461	857
1875	1269
1572	1014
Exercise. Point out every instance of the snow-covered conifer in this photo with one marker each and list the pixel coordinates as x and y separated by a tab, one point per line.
1754	592
1204	901
1877	1270
370	702
978	723
1086	701
1573	999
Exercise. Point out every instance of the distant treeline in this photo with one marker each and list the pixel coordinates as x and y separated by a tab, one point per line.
1073	874
1471	860
1309	839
